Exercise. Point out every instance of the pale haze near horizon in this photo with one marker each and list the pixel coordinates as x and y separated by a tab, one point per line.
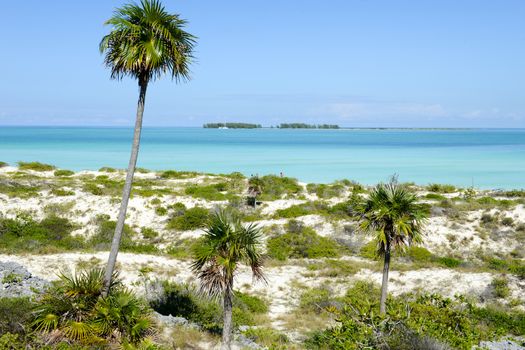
352	63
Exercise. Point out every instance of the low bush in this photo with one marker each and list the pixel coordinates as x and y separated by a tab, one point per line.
208	192
435	196
369	250
267	337
173	174
326	191
182	248
413	322
14	189
317	300
419	254
36	166
59	192
304	242
74	311
440	188
15	316
24	234
500	286
275	187
3	164
63	172
293	211
449	262
182	300
106	169
190	219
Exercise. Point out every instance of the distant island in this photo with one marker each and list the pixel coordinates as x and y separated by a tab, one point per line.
307	126
231	126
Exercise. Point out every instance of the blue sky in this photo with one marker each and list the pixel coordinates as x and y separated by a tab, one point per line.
355	63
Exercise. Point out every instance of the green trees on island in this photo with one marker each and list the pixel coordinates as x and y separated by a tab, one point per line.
145	43
226	244
392	213
232	126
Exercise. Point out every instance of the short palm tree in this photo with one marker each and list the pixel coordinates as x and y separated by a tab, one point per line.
391	212
145	43
226	244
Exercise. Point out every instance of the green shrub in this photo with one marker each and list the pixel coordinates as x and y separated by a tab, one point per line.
439	188
3	164
245	307
369	250
149	233
15	315
500	285
252	303
435	196
316	300
63	172
182	248
161	211
208	192
182	300
103	236
413	322
507	221
304	243
75	312
107	170
449	262
419	254
172	174
292	212
24	234
267	337
274	187
59	192
14	189
326	191
191	219
36	166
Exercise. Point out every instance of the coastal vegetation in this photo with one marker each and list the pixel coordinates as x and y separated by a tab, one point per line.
232	126
316	255
306	126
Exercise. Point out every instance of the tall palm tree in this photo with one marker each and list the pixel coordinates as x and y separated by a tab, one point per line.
226	244
391	212
145	43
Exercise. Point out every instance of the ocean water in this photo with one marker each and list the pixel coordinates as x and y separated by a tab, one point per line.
485	158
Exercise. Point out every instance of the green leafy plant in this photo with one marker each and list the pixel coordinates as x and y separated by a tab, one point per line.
36	166
74	311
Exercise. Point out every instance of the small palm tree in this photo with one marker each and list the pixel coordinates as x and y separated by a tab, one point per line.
226	244
144	43
391	212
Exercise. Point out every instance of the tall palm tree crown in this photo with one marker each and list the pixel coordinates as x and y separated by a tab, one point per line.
227	243
392	212
147	42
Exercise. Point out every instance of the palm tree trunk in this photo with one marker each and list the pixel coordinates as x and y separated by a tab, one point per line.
115	244
227	325
384	285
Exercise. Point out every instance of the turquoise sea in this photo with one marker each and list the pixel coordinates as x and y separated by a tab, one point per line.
486	158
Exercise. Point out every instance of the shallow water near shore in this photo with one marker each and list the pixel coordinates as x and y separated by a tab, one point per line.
485	158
